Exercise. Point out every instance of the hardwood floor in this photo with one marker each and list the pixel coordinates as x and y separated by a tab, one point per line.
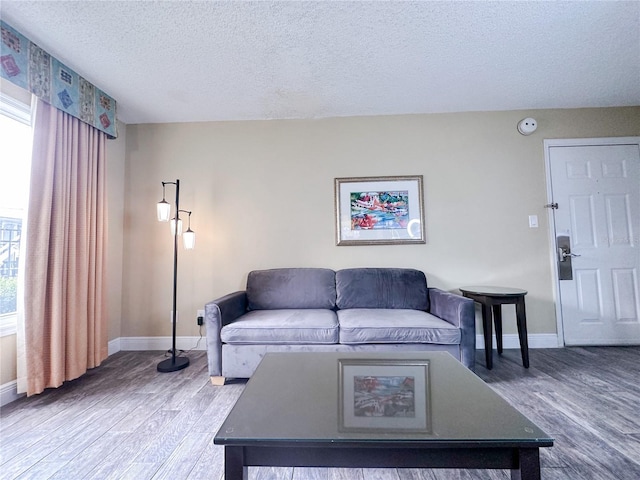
125	420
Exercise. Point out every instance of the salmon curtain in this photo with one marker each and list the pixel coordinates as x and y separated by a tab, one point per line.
65	318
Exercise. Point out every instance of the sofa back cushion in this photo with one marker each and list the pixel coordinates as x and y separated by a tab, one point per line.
282	288
382	288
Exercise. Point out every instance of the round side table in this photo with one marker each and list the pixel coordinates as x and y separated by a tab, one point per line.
492	299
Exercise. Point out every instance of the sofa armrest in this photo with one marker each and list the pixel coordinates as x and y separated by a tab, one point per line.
217	314
461	312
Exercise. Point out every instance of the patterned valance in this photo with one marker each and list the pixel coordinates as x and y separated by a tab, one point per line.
28	66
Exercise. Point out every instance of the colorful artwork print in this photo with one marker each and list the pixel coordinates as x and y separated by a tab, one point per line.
384	396
379	210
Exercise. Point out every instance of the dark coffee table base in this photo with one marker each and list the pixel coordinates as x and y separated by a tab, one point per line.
295	409
524	463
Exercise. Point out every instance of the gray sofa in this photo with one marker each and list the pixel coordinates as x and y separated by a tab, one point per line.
350	310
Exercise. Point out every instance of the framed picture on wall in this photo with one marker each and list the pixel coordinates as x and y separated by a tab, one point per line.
384	395
379	210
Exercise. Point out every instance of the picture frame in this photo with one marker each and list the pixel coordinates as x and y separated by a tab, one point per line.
379	210
384	396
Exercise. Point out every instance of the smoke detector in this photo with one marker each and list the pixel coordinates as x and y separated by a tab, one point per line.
527	126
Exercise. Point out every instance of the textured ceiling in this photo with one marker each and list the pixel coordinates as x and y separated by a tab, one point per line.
180	61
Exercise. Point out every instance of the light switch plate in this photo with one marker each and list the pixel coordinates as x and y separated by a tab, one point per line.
533	221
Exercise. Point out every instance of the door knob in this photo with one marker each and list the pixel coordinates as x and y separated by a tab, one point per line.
564	253
565	269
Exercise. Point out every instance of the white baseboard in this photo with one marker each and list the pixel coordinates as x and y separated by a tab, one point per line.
540	340
156	343
9	393
114	346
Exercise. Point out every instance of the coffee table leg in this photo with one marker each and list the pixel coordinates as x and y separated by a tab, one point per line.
234	468
529	465
486	327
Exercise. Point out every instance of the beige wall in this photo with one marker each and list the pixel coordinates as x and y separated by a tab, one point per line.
7	359
262	196
116	155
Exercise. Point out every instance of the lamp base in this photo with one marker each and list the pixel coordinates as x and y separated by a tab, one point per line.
173	364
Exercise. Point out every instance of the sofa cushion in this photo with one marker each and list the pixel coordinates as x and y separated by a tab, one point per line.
292	326
376	325
382	288
291	288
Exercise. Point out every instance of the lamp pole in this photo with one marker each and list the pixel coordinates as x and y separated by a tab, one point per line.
174	363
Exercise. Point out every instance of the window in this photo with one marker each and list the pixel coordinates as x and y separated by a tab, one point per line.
15	161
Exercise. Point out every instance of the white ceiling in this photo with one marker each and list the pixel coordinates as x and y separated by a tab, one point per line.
183	61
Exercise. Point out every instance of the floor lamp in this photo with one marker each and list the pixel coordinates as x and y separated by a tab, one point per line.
175	363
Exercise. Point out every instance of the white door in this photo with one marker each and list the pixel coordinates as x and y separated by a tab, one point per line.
596	225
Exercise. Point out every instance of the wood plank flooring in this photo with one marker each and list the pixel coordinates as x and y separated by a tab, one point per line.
124	420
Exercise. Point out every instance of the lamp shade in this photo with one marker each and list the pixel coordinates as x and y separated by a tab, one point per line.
164	211
173	226
189	239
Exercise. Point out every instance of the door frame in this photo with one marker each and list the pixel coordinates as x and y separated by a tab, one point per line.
568	142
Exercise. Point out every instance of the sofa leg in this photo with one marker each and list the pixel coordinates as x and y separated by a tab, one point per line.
217	381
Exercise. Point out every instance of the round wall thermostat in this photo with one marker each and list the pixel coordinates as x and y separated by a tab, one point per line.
527	126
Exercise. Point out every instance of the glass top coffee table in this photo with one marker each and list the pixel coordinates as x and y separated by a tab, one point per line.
402	410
